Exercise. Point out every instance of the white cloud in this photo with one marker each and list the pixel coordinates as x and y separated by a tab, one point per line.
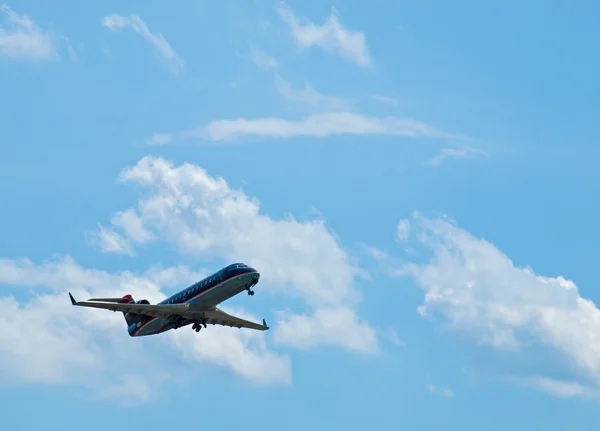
229	347
443	392
375	253
163	49
309	96
203	217
403	230
454	153
326	326
131	390
22	38
92	348
319	125
393	337
483	295
159	139
384	99
132	225
559	388
331	36
262	60
110	241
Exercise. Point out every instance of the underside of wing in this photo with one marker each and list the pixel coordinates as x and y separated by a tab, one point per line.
219	317
165	311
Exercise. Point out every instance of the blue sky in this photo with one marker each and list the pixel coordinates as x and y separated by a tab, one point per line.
415	181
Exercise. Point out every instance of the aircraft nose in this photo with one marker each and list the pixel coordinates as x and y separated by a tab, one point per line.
255	277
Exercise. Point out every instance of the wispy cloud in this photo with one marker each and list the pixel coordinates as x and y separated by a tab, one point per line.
159	139
560	388
393	337
403	230
163	49
319	125
331	36
442	392
308	96
262	59
21	38
454	153
384	99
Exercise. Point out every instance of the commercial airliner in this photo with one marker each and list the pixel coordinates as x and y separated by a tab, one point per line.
196	305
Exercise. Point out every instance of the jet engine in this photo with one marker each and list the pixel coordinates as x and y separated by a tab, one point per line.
134	317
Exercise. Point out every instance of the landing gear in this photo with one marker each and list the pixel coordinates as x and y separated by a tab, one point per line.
197	326
249	289
177	323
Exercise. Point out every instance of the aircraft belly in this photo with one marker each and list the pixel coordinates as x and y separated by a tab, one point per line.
225	291
155	326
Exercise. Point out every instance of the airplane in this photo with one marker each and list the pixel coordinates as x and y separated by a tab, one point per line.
196	305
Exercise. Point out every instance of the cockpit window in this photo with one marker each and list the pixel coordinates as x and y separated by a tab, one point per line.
236	266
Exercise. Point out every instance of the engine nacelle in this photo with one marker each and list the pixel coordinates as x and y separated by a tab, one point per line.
133	317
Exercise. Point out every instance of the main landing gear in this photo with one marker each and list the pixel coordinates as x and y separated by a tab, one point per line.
177	323
197	326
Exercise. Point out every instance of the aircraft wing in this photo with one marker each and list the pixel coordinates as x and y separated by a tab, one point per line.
219	317
165	311
215	316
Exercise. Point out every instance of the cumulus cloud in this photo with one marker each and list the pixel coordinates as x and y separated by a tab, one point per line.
21	38
92	348
326	326
165	52
110	241
331	36
203	217
481	294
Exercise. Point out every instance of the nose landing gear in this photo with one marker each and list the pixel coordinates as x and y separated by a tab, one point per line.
250	286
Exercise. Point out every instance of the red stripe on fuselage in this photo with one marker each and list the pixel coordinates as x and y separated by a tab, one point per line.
193	297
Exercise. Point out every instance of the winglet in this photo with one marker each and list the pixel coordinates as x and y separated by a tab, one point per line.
72	299
265	324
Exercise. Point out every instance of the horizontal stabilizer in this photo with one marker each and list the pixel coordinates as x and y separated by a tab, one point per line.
106	299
